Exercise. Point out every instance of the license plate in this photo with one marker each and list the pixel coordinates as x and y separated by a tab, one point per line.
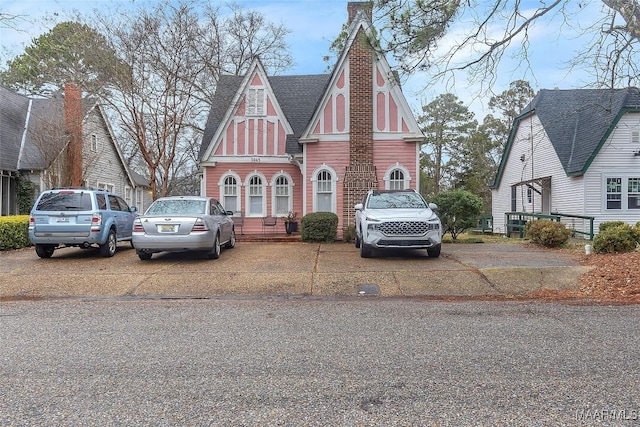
62	220
164	228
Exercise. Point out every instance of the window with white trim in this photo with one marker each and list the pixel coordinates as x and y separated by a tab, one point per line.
230	194
635	137
104	186
633	193
139	199
127	195
256	196
396	180
324	191
255	102
94	143
614	193
397	177
282	195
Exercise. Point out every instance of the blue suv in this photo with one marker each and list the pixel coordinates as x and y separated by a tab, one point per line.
83	217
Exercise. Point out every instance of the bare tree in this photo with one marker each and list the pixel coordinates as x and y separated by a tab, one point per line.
173	56
445	37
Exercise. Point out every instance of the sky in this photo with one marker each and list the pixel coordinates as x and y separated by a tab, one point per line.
314	24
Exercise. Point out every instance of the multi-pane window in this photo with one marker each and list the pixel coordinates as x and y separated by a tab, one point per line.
104	186
255	102
127	195
324	193
614	193
139	199
635	136
396	180
255	195
94	143
230	194
281	196
633	193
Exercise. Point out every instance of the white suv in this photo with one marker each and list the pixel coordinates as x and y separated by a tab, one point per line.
397	219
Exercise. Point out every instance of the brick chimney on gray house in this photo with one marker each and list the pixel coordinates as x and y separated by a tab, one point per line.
360	175
73	128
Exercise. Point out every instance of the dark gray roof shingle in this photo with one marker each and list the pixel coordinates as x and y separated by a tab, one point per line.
297	95
43	115
13	116
577	121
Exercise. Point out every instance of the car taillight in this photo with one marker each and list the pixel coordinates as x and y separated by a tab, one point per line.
32	221
199	226
137	226
96	222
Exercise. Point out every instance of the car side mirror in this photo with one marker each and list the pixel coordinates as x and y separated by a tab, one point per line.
433	206
133	209
358	207
229	213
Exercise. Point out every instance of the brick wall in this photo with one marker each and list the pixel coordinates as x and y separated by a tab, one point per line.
360	175
73	127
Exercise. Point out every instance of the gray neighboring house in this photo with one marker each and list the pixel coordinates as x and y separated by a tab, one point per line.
573	152
25	125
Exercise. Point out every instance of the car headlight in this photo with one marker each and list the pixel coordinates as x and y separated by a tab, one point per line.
373	223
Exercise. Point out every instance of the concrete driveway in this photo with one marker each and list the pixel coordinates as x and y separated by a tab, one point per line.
289	269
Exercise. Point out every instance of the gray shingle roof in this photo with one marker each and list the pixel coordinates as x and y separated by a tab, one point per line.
42	115
297	95
13	115
578	121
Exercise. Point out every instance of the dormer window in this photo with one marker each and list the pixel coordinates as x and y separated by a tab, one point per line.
255	102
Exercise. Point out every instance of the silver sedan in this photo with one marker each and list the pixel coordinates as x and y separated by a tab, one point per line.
183	223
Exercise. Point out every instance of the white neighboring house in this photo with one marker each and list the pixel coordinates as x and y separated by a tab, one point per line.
25	125
573	152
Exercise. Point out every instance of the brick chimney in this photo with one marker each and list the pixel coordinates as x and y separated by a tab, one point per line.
360	175
354	6
73	127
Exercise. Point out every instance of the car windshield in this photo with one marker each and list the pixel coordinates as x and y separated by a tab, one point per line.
65	202
408	200
177	207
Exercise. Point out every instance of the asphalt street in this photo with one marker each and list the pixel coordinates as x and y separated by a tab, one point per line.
305	361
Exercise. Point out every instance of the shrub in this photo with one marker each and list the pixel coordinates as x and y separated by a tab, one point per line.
319	227
610	224
458	211
615	239
14	232
550	234
349	234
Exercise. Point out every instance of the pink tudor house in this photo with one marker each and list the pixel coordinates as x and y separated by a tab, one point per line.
310	143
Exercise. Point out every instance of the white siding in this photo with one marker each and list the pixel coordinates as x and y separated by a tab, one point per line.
533	157
615	159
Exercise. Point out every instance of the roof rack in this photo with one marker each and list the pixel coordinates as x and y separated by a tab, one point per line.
77	188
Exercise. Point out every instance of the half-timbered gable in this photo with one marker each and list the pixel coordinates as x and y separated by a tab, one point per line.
310	143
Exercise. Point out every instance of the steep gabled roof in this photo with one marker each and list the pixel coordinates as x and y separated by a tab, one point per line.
297	95
13	117
578	122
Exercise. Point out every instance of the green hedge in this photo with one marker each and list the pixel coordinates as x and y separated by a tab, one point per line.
14	232
616	237
319	227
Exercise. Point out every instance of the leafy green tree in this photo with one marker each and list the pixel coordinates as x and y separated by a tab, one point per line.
446	123
458	211
70	52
